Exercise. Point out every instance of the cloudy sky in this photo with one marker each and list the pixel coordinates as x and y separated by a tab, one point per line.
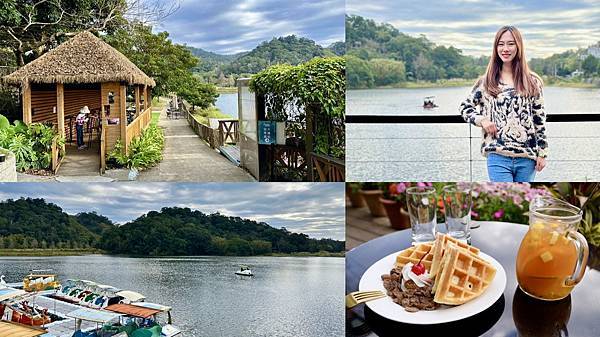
548	26
232	26
313	209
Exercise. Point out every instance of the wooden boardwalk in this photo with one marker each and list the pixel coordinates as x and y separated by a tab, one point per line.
361	226
186	157
81	162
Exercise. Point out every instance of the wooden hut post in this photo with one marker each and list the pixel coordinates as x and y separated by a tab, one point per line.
145	93
27	103
123	115
137	100
60	108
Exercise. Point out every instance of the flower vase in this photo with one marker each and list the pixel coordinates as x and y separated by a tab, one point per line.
371	197
399	218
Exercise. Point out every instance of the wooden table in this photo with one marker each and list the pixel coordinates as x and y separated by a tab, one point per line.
514	314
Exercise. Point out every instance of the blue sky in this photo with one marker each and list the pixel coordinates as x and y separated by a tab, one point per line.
548	27
228	27
314	209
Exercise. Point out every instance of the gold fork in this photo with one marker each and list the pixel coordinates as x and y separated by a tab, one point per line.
358	297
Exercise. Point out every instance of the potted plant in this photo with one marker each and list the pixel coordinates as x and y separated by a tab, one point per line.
356	199
394	202
371	192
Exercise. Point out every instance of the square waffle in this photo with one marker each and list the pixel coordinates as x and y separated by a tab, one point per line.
414	254
462	276
439	246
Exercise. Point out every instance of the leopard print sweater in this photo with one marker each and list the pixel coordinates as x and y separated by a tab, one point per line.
521	121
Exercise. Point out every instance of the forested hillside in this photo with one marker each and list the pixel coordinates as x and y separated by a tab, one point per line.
35	223
380	55
224	69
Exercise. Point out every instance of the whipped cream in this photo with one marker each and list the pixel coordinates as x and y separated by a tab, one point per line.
420	280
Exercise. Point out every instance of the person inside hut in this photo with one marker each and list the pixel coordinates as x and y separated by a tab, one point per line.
80	121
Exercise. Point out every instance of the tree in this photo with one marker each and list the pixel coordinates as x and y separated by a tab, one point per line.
386	72
36	26
590	65
358	73
198	94
169	64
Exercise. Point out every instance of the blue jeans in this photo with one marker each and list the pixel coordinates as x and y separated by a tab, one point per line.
79	135
502	168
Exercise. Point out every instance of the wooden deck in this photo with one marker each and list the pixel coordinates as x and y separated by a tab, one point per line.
361	226
231	152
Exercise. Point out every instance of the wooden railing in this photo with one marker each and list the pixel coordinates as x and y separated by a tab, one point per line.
135	128
103	146
228	129
328	169
56	158
209	135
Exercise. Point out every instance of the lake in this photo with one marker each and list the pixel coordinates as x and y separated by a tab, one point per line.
444	152
228	104
289	296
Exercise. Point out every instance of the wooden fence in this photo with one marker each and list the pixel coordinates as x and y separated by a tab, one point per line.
135	128
226	133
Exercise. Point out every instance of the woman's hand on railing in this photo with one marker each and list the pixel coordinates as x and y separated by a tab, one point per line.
540	163
489	127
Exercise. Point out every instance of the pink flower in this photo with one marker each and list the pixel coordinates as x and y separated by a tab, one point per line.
474	214
421	184
400	187
499	214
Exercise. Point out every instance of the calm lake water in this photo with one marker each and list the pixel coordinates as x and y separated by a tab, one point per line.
289	296
228	104
442	152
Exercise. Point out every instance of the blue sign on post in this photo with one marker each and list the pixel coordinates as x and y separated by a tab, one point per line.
267	132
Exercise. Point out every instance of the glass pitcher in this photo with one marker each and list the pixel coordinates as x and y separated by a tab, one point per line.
553	255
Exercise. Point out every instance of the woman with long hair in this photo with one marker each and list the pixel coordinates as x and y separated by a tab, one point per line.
507	103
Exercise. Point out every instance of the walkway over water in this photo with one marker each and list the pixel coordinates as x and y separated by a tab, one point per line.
187	158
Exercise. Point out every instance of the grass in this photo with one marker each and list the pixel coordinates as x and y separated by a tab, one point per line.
202	115
470	82
155	117
227	90
49	252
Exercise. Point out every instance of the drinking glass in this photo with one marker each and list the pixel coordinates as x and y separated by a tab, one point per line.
457	210
421	204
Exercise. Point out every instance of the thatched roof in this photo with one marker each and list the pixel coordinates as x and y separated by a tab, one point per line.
82	59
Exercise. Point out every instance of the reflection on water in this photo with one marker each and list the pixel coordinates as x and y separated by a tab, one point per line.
537	318
289	296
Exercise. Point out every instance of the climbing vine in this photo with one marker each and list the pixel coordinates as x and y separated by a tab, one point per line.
318	86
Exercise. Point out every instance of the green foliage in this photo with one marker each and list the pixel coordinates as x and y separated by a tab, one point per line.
181	231
319	86
422	60
31	145
25	221
198	94
203	115
169	64
289	49
587	197
144	151
94	222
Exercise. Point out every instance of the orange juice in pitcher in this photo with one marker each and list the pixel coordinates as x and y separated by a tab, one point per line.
553	255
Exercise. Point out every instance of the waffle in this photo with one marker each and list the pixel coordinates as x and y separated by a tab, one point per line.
462	276
414	254
439	245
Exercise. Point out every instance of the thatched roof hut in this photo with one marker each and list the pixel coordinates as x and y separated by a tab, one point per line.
83	59
86	71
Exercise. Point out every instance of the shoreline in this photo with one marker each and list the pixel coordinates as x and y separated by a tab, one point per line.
470	83
35	252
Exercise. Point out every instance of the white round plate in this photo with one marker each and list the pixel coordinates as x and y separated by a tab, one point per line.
385	307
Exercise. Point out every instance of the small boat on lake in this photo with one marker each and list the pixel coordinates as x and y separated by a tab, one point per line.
244	271
429	102
36	281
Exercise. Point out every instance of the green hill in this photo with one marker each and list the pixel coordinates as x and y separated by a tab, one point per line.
34	223
380	55
29	223
211	61
182	231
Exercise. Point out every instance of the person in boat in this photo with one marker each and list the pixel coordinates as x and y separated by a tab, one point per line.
508	104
